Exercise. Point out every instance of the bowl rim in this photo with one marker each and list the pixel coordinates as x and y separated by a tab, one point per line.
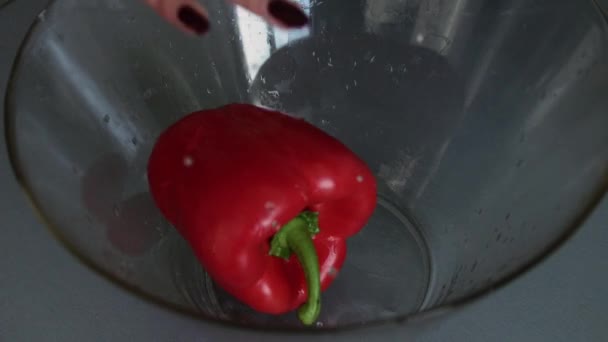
398	321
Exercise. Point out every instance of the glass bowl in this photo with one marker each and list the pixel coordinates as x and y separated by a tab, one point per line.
484	122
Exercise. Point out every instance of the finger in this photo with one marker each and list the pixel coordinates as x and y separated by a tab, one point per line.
283	13
187	15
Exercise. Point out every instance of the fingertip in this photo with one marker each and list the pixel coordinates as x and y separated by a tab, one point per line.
283	13
186	15
289	14
193	19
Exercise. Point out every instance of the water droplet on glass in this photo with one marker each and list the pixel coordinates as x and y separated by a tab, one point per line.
161	231
148	93
188	161
106	119
134	141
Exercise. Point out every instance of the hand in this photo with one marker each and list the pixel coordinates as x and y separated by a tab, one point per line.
191	17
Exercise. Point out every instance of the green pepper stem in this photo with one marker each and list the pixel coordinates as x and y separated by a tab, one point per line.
296	237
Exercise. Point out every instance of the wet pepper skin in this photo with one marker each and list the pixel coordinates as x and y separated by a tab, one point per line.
229	178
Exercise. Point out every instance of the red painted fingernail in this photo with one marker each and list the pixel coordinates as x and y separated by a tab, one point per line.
193	19
287	13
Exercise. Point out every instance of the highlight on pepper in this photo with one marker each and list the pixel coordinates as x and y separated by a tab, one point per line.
265	200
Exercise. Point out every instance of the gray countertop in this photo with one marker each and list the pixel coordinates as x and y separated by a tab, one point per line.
47	295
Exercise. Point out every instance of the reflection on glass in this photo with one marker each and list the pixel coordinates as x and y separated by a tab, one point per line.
259	39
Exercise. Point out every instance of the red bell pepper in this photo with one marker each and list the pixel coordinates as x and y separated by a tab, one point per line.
249	187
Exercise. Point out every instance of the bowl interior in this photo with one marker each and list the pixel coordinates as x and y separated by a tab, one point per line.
484	122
